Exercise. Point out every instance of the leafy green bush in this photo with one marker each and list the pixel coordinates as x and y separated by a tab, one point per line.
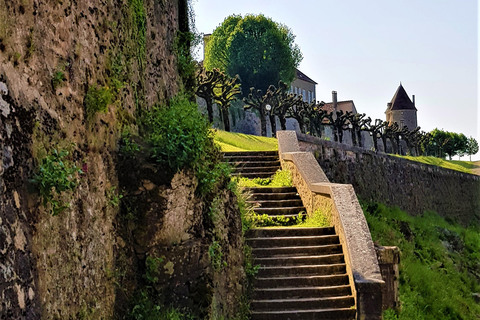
180	138
54	176
216	255
97	100
58	79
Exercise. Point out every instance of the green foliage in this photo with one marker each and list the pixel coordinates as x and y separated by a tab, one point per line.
443	143
128	147
97	100
440	264
152	264
58	79
317	220
146	309
259	50
264	220
180	138
139	29
186	65
472	147
113	197
55	175
281	178
216	255
232	141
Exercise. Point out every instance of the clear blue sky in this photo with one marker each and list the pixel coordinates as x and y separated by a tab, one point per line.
363	49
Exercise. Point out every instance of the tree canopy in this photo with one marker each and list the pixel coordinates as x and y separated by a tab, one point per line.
261	51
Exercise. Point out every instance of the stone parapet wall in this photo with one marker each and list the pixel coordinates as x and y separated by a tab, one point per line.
341	204
412	186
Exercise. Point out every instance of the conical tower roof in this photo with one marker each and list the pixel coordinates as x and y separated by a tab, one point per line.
401	101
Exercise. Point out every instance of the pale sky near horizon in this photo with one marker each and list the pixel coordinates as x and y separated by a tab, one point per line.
364	49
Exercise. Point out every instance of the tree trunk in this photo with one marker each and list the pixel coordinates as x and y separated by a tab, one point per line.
354	137
209	110
375	142
273	125
263	123
359	138
226	120
283	122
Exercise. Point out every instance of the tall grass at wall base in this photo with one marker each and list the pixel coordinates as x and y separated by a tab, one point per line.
439	265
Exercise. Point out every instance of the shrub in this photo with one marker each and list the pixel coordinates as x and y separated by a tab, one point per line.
54	176
281	178
180	138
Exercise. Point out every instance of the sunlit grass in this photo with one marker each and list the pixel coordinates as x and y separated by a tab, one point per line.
463	166
439	265
233	141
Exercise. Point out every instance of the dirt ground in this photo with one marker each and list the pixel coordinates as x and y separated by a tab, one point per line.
476	170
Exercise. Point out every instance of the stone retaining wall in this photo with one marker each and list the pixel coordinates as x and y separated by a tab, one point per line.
412	186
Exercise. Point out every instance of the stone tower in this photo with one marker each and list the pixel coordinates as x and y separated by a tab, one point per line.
402	110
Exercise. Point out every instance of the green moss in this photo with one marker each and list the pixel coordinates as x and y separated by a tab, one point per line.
97	100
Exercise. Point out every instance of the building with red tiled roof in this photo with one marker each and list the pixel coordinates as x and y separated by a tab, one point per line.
402	110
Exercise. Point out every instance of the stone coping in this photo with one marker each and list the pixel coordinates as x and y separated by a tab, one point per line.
336	145
346	216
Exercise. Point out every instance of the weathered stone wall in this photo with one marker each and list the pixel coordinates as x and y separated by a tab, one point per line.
60	267
170	222
412	186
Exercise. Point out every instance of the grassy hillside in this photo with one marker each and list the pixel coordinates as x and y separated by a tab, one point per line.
439	267
232	141
463	166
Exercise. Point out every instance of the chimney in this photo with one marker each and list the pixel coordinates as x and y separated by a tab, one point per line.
334	100
413	100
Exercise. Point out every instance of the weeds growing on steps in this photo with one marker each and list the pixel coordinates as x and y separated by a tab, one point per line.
281	178
439	265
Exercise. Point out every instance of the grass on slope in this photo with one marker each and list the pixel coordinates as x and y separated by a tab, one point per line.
463	166
439	265
233	141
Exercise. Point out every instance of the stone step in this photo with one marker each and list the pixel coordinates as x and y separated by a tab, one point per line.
274	196
300	260
280	211
265	169
309	314
250	153
288	271
302	303
301	281
251	175
286	232
248	158
254	190
292	241
297	250
277	203
301	292
244	164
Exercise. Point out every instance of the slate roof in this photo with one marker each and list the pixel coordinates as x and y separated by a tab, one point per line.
302	76
401	101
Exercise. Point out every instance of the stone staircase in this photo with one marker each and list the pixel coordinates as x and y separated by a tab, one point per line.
258	164
302	271
283	202
302	275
